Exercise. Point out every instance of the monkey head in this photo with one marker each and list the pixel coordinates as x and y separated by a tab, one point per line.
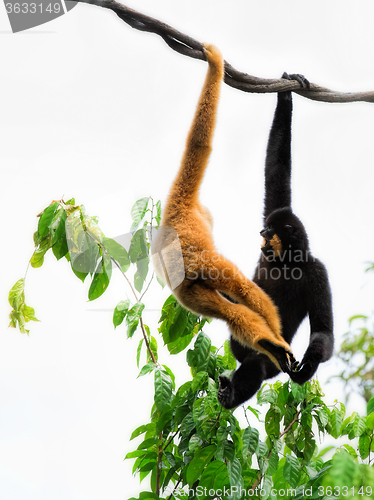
284	232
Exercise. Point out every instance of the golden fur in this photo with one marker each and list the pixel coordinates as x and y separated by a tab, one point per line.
207	272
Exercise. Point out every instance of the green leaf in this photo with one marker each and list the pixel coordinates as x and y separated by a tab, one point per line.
357	316
228	358
267	396
324	451
292	471
133	317
138	211
16	295
370	421
152	346
215	476
84	258
148	443
142	429
164	423
188	425
118	253
163	388
120	312
136	454
46	220
60	248
158	214
21	313
101	279
149	367
29	313
350	450
198	357
59	242
273	462
180	344
364	445
235	477
298	392
272	421
138	352
343	471
358	427
370	406
138	247
37	258
250	439
336	421
199	381
140	276
309	447
199	462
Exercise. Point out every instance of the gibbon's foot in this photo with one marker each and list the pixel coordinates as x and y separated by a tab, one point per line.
285	358
299	78
225	394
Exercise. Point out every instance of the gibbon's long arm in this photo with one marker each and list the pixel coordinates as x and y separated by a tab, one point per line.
254	320
278	157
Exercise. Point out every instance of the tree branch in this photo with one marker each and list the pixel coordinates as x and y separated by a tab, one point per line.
242	81
259	477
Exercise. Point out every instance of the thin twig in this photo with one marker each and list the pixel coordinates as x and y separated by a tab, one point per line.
146	341
259	477
175	488
242	81
126	278
141	319
146	290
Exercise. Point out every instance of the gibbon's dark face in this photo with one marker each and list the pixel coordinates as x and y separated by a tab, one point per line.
283	232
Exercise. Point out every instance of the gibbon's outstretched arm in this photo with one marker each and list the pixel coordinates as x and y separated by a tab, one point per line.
253	320
278	157
278	153
296	281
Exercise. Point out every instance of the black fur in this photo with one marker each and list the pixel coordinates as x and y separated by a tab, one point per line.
295	280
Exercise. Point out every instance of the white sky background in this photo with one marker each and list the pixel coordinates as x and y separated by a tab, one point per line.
94	109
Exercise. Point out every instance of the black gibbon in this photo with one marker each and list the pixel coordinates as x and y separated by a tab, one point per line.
253	320
295	280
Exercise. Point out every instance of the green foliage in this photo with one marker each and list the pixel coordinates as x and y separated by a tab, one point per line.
357	354
65	228
191	446
21	313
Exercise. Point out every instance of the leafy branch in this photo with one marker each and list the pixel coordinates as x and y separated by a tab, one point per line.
190	441
69	232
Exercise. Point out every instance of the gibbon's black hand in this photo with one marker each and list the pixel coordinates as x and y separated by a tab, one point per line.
304	372
299	78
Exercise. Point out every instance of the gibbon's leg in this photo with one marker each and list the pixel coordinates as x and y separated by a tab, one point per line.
222	275
246	380
246	326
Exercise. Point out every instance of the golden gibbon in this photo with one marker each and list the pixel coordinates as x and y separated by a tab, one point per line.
253	321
